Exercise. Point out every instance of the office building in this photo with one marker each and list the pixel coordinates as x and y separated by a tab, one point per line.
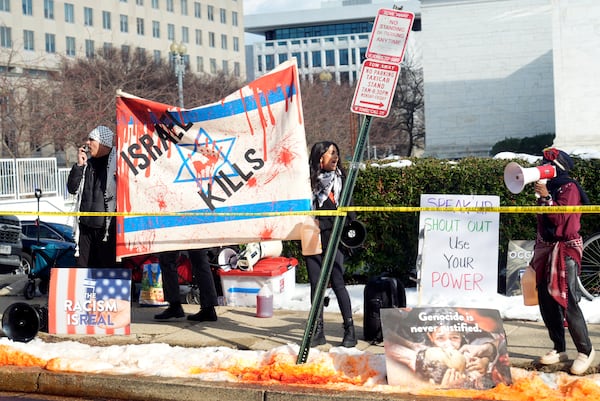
500	69
329	43
36	34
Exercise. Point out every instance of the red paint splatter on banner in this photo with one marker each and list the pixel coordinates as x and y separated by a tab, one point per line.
284	80
136	117
285	157
241	93
251	182
204	169
266	233
162	204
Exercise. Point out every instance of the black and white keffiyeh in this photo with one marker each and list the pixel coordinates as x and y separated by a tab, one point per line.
327	181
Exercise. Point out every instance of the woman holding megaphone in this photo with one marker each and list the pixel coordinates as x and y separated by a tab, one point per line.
557	263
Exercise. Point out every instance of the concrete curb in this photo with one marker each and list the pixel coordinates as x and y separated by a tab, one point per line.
39	381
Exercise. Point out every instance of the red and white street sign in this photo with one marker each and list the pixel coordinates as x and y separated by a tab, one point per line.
389	35
375	89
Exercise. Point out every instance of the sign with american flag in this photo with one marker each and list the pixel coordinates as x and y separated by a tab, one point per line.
89	301
225	173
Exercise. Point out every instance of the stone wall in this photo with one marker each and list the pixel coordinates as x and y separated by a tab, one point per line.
488	73
576	37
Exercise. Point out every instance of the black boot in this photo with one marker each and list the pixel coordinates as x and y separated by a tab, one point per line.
205	315
349	339
173	311
318	337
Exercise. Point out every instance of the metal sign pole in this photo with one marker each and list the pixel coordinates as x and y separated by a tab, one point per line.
336	234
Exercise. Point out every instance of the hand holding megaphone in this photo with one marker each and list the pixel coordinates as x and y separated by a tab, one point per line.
516	177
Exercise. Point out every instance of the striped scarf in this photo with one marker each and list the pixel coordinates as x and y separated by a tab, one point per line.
551	270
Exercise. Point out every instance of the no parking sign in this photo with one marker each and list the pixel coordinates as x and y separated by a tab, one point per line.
390	35
379	74
375	90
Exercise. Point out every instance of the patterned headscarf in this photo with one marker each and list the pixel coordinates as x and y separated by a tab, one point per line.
103	135
564	163
560	159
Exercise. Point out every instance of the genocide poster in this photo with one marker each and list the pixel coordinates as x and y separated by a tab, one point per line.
445	348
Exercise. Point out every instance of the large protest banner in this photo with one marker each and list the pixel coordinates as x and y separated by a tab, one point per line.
220	174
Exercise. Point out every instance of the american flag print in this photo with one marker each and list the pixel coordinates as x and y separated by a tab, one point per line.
89	301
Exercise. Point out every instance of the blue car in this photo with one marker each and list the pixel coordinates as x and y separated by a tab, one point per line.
48	235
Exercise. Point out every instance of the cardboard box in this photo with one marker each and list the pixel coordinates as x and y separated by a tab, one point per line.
240	288
89	301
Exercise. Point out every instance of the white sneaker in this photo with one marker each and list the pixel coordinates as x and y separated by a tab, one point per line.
553	357
582	363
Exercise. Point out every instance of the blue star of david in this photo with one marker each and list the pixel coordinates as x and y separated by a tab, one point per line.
187	173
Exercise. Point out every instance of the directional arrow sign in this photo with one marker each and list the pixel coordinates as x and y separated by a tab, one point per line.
375	90
389	35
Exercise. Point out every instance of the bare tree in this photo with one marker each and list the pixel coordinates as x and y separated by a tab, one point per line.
24	107
89	88
327	114
60	111
404	128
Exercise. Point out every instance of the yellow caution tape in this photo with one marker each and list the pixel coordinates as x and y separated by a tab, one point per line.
491	209
342	211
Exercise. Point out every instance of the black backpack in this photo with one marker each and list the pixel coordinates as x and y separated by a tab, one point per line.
382	291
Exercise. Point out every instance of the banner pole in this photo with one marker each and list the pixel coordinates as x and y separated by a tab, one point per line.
336	234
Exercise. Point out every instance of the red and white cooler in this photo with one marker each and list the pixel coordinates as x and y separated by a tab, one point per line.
240	287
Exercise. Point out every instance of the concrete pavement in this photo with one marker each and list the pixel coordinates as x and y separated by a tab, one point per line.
236	328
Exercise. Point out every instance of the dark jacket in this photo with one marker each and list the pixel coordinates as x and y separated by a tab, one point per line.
94	187
554	227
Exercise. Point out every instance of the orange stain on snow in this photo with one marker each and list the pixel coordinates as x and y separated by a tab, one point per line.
527	389
355	371
285	371
13	357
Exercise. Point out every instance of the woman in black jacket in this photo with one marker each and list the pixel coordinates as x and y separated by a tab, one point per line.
327	178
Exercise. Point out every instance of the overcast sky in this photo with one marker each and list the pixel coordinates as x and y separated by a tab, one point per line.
263	6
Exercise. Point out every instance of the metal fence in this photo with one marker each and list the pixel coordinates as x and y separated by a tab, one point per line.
20	178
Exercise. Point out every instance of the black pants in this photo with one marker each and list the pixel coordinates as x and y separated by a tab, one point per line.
313	267
554	314
202	276
93	250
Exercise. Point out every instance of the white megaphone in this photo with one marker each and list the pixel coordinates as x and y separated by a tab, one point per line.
257	250
227	259
516	177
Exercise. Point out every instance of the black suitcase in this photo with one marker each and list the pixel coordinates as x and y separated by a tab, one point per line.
382	291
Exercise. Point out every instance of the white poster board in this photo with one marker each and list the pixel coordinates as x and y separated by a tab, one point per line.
459	250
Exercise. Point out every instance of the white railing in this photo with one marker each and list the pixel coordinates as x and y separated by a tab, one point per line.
19	178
